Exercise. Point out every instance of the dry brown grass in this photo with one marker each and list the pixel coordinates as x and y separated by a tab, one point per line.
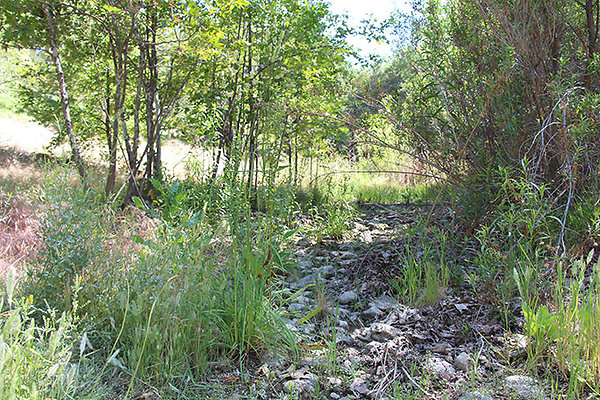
23	171
19	241
19	220
128	222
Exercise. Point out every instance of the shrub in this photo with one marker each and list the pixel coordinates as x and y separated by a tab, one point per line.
72	229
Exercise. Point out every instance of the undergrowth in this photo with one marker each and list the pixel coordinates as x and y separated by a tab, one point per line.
163	292
159	303
528	251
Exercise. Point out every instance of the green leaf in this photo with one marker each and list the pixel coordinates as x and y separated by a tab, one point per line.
112	9
139	203
310	315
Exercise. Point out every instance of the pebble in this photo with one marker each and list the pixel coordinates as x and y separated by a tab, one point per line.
475	395
372	312
302	300
346	339
304	265
303	242
298	386
366	237
339	312
296	307
359	386
346	246
441	348
384	302
383	332
442	369
525	387
325	271
347	255
462	362
348	297
302	283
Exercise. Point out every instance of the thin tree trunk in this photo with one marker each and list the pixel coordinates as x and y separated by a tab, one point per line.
64	96
119	48
591	18
132	147
296	153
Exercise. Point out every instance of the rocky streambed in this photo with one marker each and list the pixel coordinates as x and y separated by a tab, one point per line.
358	340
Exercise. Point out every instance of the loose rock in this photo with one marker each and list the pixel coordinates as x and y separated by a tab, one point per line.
298	386
304	264
525	387
325	270
384	302
442	369
359	386
302	283
441	348
476	395
372	312
348	297
383	332
462	362
347	255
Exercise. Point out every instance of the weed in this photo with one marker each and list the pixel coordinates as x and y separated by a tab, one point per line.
37	357
423	280
71	233
331	222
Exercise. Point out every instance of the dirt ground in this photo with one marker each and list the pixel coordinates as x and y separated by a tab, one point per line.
25	135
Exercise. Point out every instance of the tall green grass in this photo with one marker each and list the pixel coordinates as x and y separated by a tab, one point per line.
423	279
363	187
43	352
525	236
566	331
163	302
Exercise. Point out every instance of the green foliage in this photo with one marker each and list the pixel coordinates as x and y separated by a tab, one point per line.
423	279
39	358
71	232
331	221
568	335
34	361
9	62
163	304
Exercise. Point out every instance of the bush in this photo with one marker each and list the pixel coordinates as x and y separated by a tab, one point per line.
72	230
195	292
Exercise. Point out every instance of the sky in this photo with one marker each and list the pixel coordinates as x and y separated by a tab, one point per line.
359	10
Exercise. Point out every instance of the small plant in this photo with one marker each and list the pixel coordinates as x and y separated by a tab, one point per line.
72	230
37	354
423	280
332	221
322	300
331	342
570	334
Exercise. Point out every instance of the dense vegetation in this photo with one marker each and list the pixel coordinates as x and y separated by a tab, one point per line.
143	283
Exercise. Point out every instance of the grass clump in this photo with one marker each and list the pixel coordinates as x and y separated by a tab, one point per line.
530	251
38	356
423	279
72	231
34	360
565	330
164	301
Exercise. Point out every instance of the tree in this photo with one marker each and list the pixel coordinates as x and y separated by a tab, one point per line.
28	12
